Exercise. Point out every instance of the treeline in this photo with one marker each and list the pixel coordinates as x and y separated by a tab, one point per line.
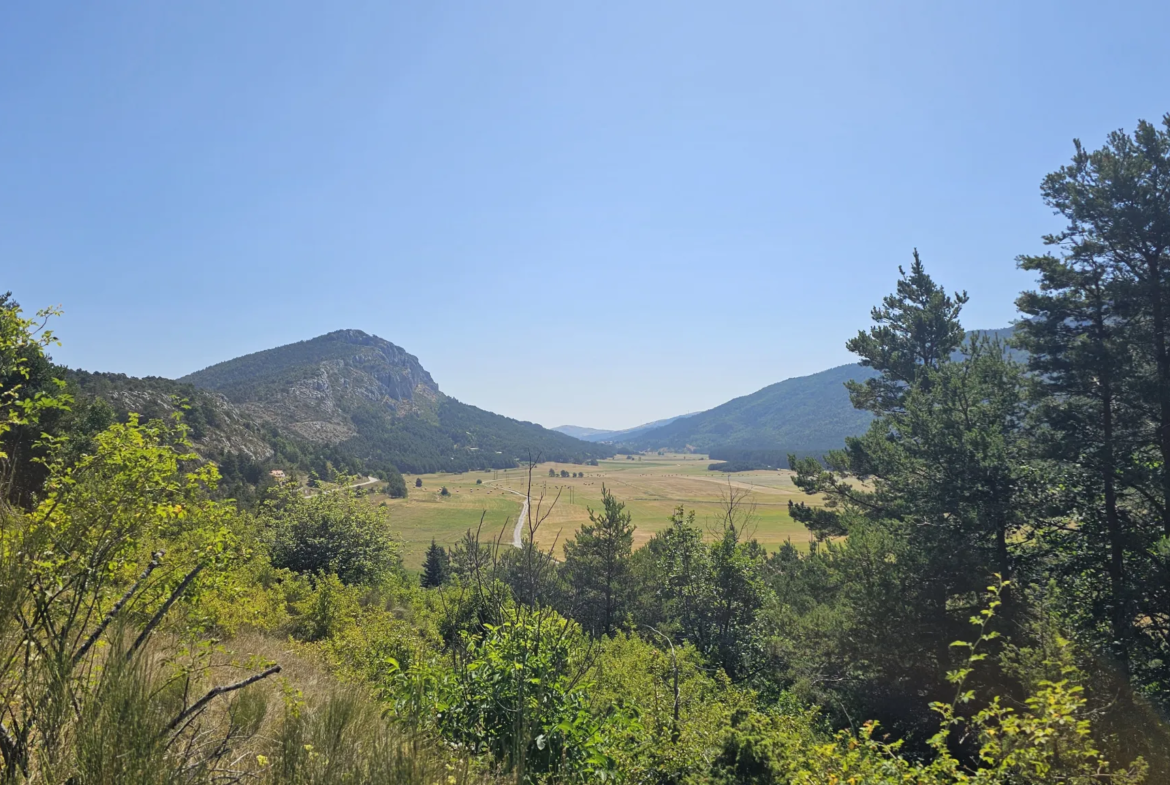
735	459
466	439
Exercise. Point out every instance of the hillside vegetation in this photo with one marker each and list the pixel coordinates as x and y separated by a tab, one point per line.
363	403
614	437
805	414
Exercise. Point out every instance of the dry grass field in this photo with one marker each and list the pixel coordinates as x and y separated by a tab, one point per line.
651	486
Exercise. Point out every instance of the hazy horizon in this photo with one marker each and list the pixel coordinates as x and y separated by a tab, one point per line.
571	214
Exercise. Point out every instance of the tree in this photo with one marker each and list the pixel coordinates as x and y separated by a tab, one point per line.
1116	201
565	473
674	578
915	330
333	532
737	589
436	566
418	482
1096	342
395	484
552	472
597	563
948	491
444	492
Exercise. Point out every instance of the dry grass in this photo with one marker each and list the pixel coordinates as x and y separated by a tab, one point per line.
651	488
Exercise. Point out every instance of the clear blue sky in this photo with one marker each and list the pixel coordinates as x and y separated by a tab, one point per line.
596	213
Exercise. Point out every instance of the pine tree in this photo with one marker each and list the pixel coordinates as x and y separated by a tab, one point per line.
915	330
1097	343
597	563
1117	204
436	567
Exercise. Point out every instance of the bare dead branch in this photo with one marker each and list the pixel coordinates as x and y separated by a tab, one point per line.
216	692
155	561
166	606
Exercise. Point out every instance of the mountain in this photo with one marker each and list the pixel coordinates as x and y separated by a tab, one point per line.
360	398
597	435
216	427
807	414
580	432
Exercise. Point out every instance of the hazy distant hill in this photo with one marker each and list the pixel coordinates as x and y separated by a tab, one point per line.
596	435
578	432
805	414
364	397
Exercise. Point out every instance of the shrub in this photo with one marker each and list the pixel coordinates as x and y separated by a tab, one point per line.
334	532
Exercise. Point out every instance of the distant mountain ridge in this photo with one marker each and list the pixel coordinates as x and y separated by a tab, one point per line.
600	435
806	414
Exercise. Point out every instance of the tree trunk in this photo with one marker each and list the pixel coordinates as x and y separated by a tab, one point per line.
1119	615
1162	362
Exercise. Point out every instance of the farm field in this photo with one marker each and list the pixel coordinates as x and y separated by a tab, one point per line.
651	488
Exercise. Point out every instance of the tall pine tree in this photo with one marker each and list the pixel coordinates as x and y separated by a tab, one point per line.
597	566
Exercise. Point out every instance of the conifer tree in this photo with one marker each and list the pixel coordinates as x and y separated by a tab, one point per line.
1097	343
436	567
916	329
1116	201
597	564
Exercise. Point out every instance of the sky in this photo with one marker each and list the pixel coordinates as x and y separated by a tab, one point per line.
571	212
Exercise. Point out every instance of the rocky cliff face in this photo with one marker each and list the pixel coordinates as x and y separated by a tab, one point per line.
312	388
215	425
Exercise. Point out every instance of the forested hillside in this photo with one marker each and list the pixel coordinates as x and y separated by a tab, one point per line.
357	397
987	598
805	415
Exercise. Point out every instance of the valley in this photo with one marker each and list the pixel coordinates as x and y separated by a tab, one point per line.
651	487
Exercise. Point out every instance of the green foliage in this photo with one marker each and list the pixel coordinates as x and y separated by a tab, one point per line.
708	594
436	567
915	331
395	484
333	531
680	711
1048	740
597	566
517	696
1097	342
